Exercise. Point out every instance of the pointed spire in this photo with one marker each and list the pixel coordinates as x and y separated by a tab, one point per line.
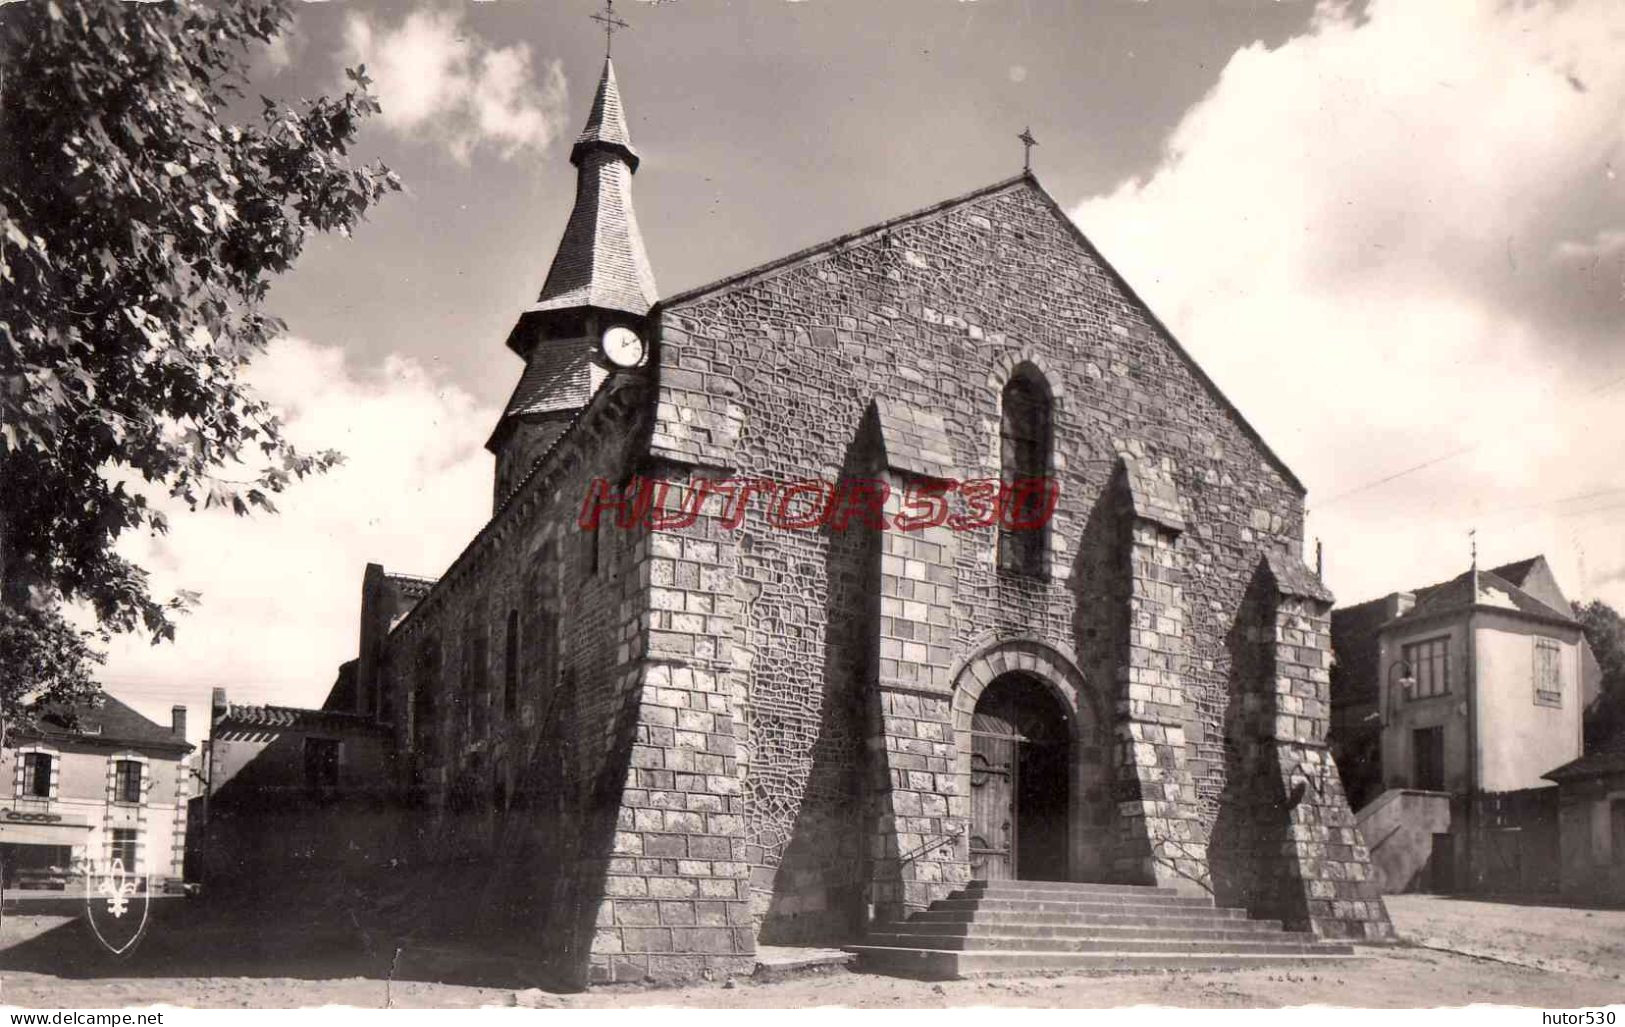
601	261
606	125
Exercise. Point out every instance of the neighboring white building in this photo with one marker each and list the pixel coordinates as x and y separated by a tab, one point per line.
1450	705
113	786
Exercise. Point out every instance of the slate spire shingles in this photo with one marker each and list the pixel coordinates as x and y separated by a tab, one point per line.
601	261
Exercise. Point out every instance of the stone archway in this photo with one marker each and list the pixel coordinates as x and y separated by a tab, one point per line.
1020	794
1090	816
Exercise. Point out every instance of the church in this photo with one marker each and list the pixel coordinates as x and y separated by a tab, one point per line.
677	723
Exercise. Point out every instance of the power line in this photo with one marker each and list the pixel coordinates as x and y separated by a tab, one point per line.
1597	494
1397	474
1604	387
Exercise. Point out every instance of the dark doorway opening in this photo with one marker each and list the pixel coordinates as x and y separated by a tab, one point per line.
1427	753
1441	869
1020	753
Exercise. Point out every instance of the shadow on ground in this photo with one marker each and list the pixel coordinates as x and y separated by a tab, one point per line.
1545	901
384	932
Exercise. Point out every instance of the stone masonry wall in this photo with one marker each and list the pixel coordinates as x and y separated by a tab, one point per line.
525	792
771	375
677	893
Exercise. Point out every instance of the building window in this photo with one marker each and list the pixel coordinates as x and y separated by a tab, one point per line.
321	764
1427	756
476	687
1616	817
123	848
1548	672
127	781
1025	430
424	711
510	666
547	634
384	688
1429	664
37	775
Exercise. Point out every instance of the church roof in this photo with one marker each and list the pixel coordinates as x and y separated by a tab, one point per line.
601	261
557	377
268	718
412	586
606	124
1025	180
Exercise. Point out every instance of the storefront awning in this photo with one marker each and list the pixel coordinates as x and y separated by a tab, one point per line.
27	828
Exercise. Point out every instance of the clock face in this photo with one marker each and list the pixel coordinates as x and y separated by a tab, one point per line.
622	347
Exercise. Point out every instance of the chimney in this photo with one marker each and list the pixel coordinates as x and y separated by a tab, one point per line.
1400	603
177	721
218	704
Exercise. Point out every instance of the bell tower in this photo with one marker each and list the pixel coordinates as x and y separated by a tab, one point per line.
592	312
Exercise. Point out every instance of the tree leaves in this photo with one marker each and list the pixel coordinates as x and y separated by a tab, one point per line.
139	231
1605	631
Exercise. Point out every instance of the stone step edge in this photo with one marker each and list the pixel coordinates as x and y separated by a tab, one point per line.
990	916
1173	946
1013	955
932	964
1074	886
1059	906
1244	931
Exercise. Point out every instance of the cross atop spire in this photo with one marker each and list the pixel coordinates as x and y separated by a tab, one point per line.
611	23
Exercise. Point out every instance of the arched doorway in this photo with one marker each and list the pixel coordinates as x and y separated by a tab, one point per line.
1019	768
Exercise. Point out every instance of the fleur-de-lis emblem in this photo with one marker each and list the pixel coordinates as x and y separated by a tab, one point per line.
118	887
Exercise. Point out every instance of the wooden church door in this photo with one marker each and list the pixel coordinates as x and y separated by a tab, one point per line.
993	798
1018	783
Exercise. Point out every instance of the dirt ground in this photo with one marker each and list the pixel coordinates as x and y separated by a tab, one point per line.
1457	952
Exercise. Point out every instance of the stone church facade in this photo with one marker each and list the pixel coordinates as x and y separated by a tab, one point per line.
672	737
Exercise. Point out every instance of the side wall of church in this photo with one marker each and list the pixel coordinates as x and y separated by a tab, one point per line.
515	755
933	314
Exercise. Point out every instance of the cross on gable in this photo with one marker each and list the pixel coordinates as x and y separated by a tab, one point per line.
1027	142
610	22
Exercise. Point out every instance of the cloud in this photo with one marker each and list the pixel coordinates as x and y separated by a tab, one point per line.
439	82
280	52
281	593
1608	242
1367	236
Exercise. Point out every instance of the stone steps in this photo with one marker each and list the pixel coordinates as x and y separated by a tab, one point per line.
1023	926
1180	906
1221	918
1064	889
938	965
1243	930
1282	945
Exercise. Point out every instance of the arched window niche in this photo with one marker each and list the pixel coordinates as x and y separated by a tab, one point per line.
1026	439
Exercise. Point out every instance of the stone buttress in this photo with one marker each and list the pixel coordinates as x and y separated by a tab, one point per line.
1314	871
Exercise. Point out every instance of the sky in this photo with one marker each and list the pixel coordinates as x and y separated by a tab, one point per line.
1393	233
